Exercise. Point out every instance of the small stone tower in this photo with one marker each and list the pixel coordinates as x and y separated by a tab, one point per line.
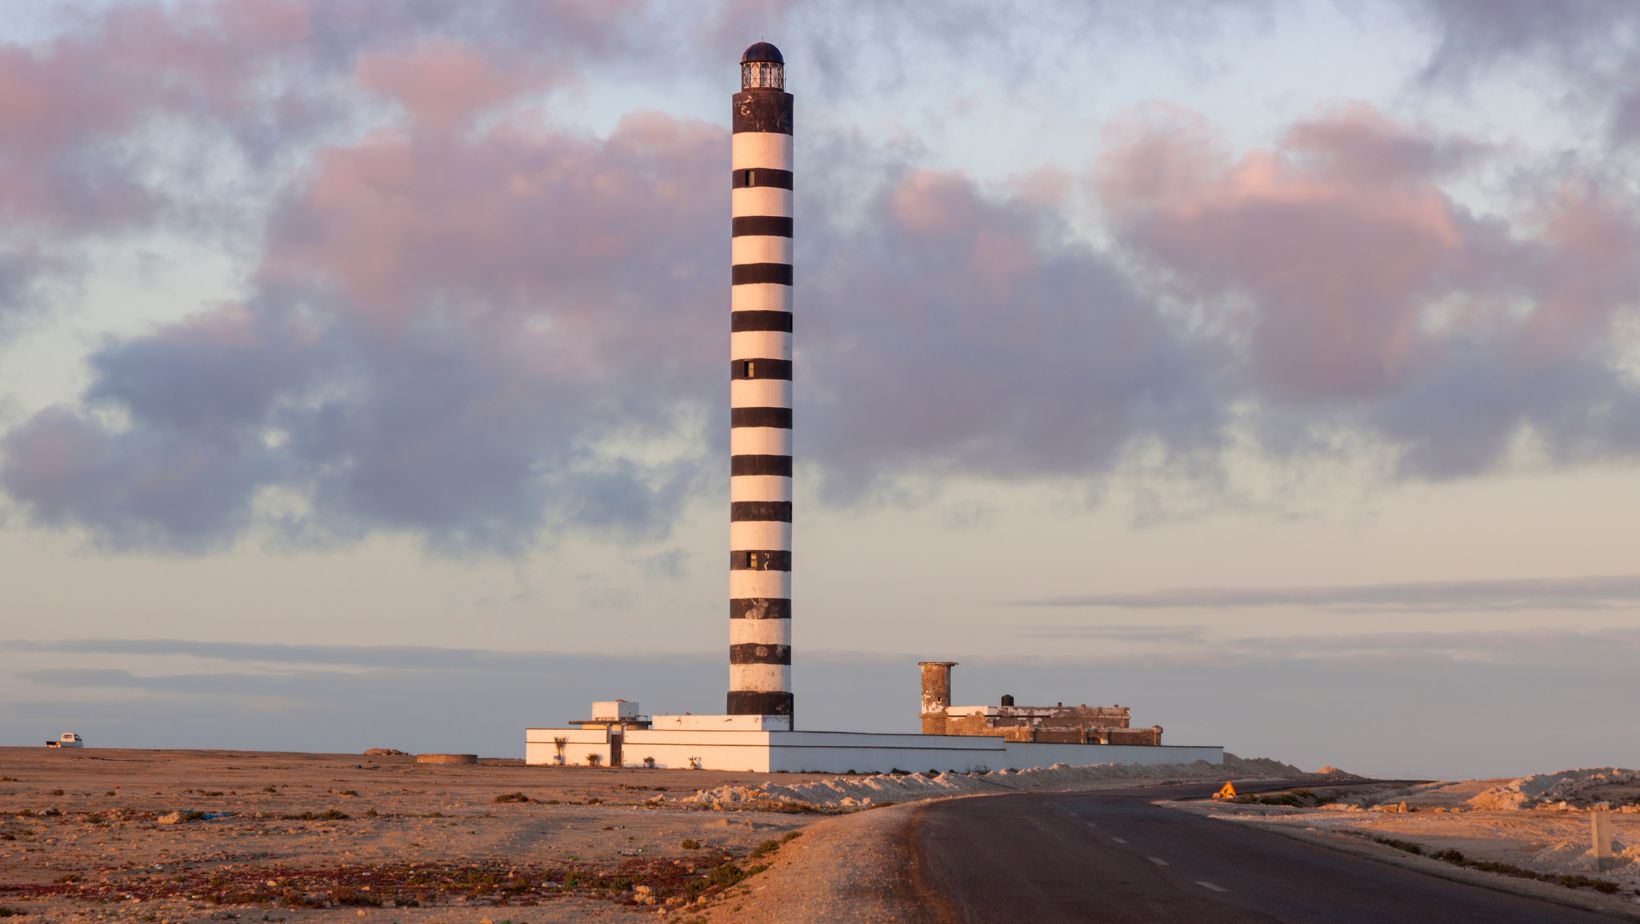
936	695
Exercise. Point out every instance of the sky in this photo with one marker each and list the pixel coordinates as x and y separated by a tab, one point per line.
1272	368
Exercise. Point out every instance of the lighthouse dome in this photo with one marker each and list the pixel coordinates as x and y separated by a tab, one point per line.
763	53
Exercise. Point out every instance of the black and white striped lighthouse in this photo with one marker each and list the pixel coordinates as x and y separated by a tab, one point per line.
760	390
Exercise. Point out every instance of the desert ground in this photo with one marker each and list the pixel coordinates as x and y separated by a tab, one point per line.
99	834
103	834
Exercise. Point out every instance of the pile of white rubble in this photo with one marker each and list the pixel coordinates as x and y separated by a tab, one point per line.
876	789
1567	789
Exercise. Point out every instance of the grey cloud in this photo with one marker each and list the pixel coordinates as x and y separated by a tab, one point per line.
1616	591
1144	634
1593	44
137	487
953	331
1477	33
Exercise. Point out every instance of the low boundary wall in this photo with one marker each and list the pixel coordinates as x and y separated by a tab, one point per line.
835	752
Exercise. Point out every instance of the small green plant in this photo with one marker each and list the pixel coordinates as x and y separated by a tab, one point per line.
765	848
649	762
690	843
790	836
594	760
272	789
512	797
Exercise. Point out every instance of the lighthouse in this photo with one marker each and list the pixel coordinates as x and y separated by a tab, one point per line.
756	733
760	389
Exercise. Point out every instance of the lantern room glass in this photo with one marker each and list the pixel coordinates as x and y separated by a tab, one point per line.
762	75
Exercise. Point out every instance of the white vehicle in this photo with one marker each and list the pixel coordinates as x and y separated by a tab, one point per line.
66	740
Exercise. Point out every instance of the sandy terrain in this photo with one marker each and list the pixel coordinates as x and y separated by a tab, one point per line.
84	836
101	834
1533	825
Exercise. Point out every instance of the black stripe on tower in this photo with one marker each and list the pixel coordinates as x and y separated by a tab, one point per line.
778	417
760	560
749	273
761	226
760	608
746	702
748	177
760	465
760	654
763	111
760	320
746	369
749	511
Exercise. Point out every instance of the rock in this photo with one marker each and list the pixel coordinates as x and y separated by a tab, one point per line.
170	818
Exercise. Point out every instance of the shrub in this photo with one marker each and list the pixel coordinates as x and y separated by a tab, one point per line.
690	843
765	848
326	815
649	762
725	875
512	797
594	760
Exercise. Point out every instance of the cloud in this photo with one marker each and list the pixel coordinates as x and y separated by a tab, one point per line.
1367	298
1593	45
1608	592
429	349
136	487
954	330
470	324
1145	634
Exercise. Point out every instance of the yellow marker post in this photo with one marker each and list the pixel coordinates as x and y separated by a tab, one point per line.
1228	791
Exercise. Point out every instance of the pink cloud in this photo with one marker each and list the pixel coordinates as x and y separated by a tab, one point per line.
445	82
1338	238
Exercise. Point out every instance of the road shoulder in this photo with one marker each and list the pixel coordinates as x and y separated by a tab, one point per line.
1626	908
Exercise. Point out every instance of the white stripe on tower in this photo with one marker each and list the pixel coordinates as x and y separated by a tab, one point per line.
760	389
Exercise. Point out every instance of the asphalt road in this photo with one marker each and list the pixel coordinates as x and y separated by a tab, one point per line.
1111	856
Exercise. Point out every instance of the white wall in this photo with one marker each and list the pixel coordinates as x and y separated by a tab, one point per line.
840	752
540	749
